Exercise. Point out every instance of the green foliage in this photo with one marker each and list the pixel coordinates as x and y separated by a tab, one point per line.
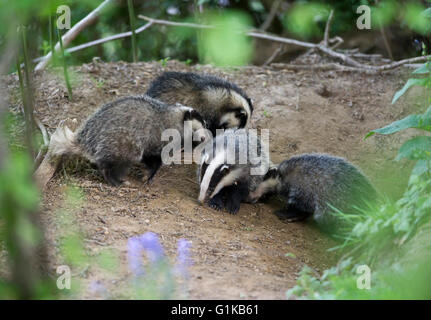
164	61
65	72
418	148
417	18
303	19
411	82
225	45
384	13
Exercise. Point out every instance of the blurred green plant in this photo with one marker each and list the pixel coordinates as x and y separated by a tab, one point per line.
417	18
20	231
304	18
164	61
225	45
65	72
384	13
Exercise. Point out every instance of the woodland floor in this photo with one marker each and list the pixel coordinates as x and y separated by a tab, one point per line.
234	256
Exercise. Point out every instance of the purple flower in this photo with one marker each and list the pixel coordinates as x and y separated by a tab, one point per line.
135	245
97	287
183	257
134	255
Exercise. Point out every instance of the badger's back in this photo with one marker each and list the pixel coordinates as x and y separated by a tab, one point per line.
122	129
315	182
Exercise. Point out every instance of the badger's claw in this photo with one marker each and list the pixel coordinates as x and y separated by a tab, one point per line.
216	203
232	206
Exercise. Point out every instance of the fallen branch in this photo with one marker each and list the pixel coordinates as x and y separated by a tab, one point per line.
110	38
321	67
274	55
103	40
73	32
346	59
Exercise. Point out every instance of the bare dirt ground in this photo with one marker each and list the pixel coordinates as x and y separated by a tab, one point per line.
235	256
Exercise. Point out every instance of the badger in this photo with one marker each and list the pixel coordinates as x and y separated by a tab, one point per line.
317	185
125	132
221	103
231	166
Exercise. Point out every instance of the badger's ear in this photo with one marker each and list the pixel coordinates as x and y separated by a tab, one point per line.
224	168
271	174
192	114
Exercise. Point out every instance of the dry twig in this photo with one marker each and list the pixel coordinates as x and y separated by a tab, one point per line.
327	28
346	59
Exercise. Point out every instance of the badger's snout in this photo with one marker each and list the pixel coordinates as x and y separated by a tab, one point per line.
202	197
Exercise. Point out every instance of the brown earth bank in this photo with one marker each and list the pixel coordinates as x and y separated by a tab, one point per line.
234	256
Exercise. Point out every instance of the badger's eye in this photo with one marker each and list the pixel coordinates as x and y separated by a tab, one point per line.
242	117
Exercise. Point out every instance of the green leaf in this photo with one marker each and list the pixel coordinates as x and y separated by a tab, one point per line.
425	68
420	167
415	149
409	83
411	121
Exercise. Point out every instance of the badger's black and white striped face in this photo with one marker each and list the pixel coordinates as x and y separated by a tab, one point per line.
216	175
270	183
234	109
237	113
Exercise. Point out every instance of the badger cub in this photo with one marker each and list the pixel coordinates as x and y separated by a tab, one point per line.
125	132
221	103
231	165
314	184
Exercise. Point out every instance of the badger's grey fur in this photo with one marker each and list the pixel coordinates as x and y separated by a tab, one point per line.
125	132
311	183
221	103
226	185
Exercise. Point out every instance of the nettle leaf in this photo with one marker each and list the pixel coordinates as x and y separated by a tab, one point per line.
421	167
411	121
411	82
426	120
425	68
418	148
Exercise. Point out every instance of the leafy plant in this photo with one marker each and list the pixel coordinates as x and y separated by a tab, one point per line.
66	74
417	148
164	61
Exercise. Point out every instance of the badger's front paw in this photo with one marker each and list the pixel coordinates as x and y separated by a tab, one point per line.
216	203
232	206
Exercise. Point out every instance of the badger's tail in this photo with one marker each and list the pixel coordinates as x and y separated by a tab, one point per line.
63	142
